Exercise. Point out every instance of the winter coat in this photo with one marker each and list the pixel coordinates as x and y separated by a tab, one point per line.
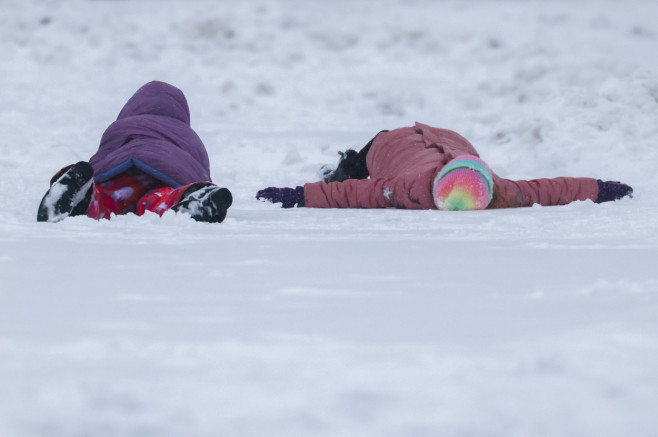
404	162
153	134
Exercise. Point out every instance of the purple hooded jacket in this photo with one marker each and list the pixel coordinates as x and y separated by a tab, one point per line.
153	134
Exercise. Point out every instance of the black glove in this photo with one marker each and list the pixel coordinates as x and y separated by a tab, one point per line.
288	197
611	190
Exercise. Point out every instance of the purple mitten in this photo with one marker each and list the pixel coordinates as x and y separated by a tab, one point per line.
288	197
611	190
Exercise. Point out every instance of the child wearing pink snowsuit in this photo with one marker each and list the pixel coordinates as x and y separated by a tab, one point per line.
400	168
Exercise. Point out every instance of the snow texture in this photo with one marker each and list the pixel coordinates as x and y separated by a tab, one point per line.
540	321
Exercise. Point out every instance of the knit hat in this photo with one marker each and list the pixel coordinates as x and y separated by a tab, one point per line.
463	184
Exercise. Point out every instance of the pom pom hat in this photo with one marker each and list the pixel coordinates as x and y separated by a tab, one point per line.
464	184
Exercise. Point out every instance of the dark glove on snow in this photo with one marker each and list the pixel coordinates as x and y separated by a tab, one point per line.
288	197
611	190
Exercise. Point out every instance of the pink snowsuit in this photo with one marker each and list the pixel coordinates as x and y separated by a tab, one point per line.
403	163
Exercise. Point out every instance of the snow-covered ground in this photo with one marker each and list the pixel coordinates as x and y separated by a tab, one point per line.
526	322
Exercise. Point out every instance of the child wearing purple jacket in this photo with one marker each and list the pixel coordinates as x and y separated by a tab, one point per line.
149	159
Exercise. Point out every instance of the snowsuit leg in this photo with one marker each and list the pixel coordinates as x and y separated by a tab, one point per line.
161	200
120	195
546	192
136	193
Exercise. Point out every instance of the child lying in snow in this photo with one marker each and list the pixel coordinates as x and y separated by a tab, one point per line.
424	167
149	159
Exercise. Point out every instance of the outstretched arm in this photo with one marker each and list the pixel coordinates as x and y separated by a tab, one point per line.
352	193
409	191
555	191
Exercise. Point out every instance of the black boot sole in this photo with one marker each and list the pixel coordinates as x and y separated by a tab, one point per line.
69	195
211	209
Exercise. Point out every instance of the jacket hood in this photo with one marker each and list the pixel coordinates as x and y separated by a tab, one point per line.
157	98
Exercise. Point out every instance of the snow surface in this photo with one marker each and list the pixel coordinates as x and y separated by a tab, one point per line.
525	322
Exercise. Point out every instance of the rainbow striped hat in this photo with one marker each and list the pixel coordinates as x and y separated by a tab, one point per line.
463	184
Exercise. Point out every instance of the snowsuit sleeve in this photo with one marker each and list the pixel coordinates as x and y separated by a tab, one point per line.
409	191
545	192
